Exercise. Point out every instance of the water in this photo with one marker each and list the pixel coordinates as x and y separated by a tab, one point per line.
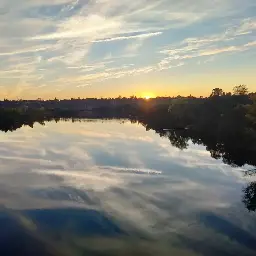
113	188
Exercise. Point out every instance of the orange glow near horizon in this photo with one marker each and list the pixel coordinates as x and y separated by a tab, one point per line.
148	96
146	92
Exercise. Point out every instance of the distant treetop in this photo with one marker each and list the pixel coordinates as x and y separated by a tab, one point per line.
217	92
241	89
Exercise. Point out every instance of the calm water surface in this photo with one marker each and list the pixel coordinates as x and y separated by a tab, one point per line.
113	188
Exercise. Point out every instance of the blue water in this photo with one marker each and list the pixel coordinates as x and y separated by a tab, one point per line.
113	188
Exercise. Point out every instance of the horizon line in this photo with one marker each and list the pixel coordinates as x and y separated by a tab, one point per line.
122	97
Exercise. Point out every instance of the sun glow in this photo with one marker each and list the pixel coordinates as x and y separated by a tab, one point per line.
148	96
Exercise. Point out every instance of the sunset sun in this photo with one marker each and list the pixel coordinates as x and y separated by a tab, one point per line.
148	96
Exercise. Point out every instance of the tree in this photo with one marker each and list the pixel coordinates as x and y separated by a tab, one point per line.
240	90
249	198
251	110
217	92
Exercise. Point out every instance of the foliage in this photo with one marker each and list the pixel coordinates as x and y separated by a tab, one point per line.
216	122
251	111
249	198
240	90
217	92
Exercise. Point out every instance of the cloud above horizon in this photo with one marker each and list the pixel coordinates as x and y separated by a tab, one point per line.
63	46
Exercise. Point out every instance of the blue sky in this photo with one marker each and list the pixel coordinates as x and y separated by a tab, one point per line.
94	48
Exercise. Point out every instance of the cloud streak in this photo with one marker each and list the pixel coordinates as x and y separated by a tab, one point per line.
227	41
140	36
71	38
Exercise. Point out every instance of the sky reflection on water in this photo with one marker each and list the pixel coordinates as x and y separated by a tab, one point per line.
117	181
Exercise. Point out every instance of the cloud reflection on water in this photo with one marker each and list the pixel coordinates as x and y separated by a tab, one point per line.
143	184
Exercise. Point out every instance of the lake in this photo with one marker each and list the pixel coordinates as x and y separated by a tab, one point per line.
109	187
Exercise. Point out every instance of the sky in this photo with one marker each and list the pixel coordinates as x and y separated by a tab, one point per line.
107	48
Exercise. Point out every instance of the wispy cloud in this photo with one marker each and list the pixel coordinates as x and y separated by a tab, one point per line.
140	36
228	41
70	37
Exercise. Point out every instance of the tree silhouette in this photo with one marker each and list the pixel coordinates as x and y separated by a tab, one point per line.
240	90
249	198
217	92
251	110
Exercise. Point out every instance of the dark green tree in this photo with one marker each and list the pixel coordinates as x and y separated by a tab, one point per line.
251	111
249	198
